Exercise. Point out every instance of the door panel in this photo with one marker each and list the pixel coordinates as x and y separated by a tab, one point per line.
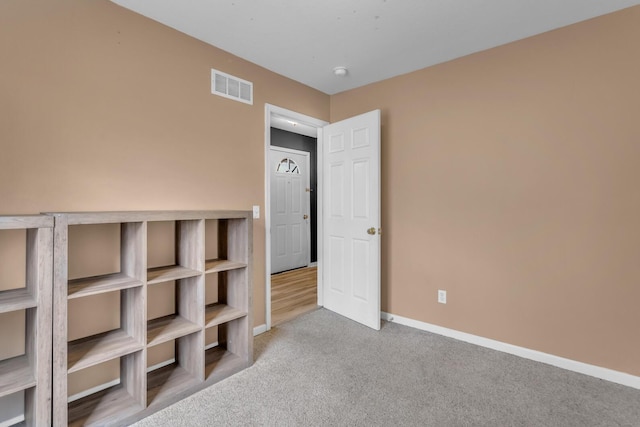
361	277
336	248
289	205
352	207
336	176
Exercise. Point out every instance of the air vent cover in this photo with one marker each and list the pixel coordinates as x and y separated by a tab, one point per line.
231	87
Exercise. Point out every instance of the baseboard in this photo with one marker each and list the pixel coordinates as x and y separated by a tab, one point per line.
259	330
211	345
538	356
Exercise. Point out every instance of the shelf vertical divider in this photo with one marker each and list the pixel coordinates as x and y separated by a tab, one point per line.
38	324
133	308
60	279
235	240
190	294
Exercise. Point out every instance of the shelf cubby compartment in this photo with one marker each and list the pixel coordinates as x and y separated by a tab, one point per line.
126	342
173	382
27	375
114	403
188	257
220	363
229	355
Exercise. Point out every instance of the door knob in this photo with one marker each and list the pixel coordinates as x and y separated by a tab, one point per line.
372	231
305	216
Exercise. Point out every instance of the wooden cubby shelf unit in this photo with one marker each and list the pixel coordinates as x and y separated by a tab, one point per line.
140	393
30	372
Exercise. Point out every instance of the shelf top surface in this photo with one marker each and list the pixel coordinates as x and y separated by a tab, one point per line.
25	221
76	218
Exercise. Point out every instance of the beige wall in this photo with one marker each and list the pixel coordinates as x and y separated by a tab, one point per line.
103	109
510	179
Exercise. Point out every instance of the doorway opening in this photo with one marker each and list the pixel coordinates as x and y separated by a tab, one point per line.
293	225
292	289
293	213
293	293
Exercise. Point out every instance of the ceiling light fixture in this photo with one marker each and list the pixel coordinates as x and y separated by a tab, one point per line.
340	71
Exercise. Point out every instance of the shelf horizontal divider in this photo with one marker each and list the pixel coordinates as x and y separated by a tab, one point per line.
164	383
16	299
100	284
104	407
220	363
218	265
216	314
95	349
15	375
168	273
168	328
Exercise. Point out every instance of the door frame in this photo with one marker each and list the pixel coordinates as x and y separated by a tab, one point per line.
294	117
307	184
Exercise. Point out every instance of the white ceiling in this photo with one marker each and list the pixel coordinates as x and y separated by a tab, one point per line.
375	39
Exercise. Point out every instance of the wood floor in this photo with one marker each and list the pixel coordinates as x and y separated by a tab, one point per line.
293	293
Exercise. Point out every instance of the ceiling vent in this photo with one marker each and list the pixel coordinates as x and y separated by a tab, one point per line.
231	87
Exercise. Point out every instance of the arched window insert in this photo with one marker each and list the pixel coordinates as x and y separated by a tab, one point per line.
287	165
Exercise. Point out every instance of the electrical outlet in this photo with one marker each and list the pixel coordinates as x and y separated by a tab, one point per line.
256	212
442	296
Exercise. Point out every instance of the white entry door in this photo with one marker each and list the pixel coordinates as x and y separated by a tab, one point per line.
289	209
351	240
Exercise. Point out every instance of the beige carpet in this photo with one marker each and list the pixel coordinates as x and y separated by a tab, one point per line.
324	370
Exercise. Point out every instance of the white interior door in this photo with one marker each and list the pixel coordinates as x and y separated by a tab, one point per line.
351	200
289	209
